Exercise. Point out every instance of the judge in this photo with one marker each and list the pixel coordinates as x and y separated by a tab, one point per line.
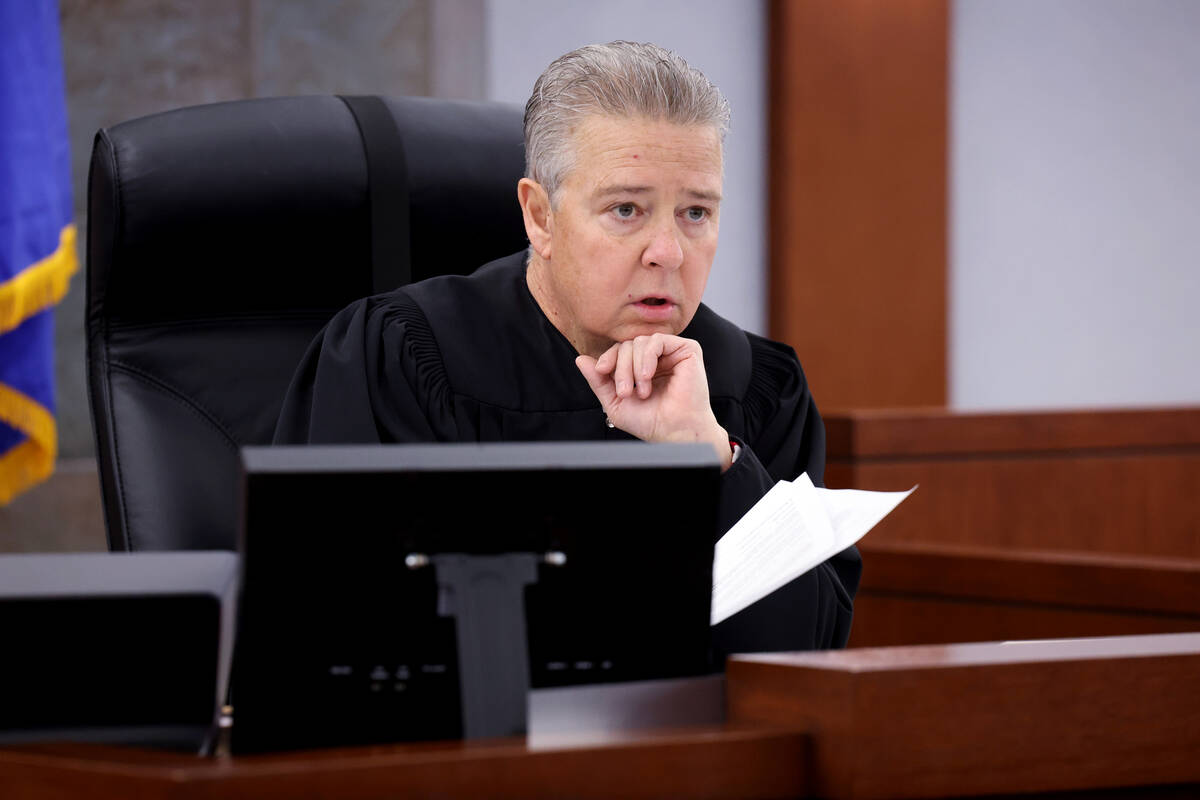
597	332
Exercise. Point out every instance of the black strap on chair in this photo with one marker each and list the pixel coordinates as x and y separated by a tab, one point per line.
387	184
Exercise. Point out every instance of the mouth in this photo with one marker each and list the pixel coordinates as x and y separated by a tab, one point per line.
655	308
656	300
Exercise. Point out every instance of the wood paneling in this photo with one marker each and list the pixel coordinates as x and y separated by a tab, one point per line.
1027	525
955	720
858	117
911	433
927	593
1095	482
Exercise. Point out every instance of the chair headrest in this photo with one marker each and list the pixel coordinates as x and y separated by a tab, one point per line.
262	206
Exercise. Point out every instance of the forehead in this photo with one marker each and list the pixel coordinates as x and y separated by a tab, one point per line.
641	151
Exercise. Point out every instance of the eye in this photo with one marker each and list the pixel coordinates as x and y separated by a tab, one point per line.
625	211
696	214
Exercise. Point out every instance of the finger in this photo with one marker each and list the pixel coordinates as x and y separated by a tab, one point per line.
674	350
640	384
623	374
645	363
601	385
607	361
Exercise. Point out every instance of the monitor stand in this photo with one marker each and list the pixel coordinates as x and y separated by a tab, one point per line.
486	596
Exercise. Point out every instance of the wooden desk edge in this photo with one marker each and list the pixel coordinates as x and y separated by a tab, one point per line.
984	719
775	757
973	654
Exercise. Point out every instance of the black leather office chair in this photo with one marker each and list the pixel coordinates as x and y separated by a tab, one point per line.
222	237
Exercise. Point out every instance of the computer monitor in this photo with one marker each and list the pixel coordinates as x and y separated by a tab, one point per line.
343	635
117	648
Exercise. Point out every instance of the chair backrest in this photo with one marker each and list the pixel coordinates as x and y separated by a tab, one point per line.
222	237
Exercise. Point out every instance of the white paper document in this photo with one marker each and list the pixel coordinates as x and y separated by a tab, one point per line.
794	527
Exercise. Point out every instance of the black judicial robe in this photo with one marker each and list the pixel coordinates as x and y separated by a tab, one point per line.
474	359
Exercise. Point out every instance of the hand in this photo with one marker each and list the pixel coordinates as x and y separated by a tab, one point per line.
655	388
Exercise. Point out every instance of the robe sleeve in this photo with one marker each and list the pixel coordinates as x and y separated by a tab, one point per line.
373	374
784	437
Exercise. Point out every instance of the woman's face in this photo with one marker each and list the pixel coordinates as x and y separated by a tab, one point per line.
630	240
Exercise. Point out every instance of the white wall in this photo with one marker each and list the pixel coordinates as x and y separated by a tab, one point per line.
1075	198
725	39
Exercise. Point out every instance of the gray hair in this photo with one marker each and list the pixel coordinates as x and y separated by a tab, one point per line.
618	79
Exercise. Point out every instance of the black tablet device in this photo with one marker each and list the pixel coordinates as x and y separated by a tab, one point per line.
347	635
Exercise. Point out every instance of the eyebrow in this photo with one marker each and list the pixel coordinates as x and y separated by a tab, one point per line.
608	191
712	197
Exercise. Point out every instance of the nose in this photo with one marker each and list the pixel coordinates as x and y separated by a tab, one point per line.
663	249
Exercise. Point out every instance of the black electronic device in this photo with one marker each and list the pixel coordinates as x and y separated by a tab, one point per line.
129	648
370	569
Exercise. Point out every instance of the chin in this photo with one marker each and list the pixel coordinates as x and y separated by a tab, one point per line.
646	329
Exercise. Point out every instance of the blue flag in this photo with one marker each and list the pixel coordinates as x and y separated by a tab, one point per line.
37	238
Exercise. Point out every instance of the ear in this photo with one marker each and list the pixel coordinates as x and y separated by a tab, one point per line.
535	208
